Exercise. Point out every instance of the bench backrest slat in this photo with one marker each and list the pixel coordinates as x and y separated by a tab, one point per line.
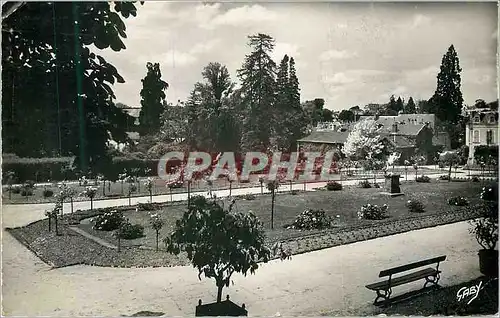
407	267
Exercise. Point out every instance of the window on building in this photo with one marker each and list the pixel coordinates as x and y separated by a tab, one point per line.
491	119
477	120
475	136
489	137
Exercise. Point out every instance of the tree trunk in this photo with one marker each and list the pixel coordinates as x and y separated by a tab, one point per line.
109	186
71	205
55	219
157	238
104	188
122	187
230	187
171	199
449	174
50	223
189	194
91	204
220	286
129	203
272	209
151	196
261	188
10	193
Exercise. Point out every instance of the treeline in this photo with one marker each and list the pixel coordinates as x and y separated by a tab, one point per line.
263	113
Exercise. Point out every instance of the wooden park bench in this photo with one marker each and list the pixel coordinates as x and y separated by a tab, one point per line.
384	288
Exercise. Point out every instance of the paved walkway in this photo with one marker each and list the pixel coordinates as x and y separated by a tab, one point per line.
328	280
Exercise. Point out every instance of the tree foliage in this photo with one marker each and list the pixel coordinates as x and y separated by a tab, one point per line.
289	118
52	82
365	143
410	107
219	242
346	115
211	113
152	99
258	86
447	101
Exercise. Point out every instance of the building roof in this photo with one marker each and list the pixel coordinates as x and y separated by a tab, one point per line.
407	119
326	137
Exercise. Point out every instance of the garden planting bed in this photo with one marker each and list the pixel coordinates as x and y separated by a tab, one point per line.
342	206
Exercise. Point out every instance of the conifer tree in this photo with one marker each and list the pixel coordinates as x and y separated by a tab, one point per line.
410	106
447	101
258	87
153	98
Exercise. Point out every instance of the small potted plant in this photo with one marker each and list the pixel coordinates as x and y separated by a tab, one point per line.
485	229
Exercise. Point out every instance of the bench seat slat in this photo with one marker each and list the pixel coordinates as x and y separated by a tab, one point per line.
404	279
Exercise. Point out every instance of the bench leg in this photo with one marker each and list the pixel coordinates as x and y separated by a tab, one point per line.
385	295
432	280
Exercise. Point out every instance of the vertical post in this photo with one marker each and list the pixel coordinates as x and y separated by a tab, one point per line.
79	85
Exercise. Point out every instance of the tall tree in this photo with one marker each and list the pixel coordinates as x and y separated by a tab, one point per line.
258	86
391	107
44	43
447	101
281	129
410	107
399	104
212	117
152	99
295	116
327	115
346	115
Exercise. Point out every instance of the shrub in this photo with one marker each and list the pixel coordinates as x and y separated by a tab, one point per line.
16	189
148	206
444	177
458	201
475	179
415	206
47	193
376	185
294	192
373	212
131	231
108	221
311	220
423	179
333	186
364	184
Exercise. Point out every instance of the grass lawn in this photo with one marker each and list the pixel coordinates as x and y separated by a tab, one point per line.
115	189
341	205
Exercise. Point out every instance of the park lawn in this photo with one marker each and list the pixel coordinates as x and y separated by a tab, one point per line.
115	190
341	205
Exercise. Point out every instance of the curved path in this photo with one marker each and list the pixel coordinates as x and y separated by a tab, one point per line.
324	281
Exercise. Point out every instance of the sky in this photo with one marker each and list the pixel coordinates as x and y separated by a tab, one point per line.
347	53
